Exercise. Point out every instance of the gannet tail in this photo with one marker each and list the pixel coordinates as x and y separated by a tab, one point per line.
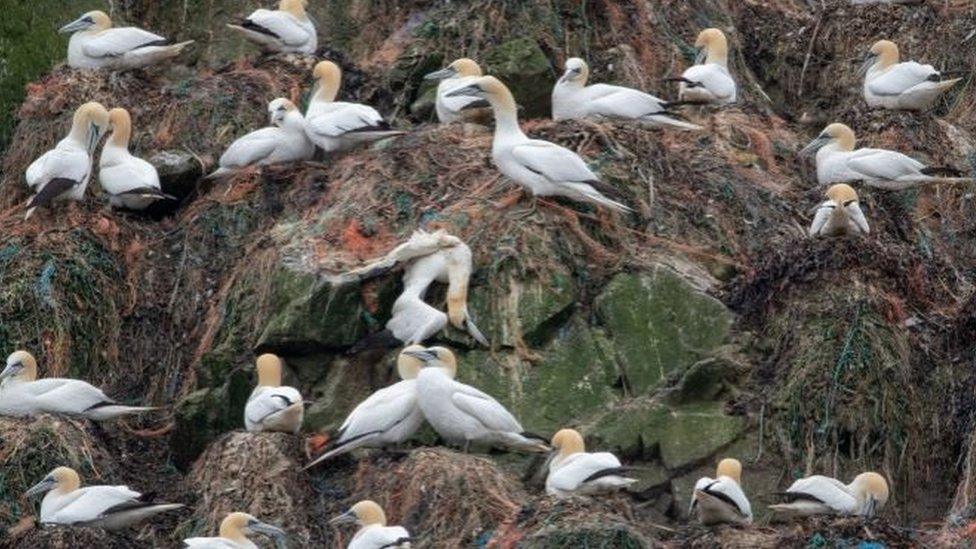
672	122
110	410
343	447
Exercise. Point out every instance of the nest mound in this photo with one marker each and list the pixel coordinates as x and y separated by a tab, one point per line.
75	537
816	532
606	521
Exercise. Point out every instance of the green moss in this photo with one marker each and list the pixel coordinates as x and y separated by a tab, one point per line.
523	67
204	414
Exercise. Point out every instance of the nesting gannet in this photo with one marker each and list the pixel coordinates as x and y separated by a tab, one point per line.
373	532
838	162
721	499
95	44
572	470
130	182
337	125
458	74
708	80
63	172
109	507
287	29
234	530
840	214
388	417
283	141
272	407
22	394
462	414
573	99
542	167
820	495
894	85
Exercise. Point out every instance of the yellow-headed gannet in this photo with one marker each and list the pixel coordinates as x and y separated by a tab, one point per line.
388	417
63	172
283	141
373	532
95	44
838	162
572	470
234	530
109	507
287	29
544	168
272	407
462	414
721	499
840	214
573	99
458	74
894	85
820	495
337	125
708	80
22	394
130	182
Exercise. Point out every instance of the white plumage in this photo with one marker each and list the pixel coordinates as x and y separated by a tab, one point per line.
893	85
710	80
380	537
284	141
130	182
285	30
821	495
839	214
721	500
271	406
96	45
573	471
234	530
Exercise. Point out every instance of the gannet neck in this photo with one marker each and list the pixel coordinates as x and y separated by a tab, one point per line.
121	127
887	52
294	7
67	480
730	468
269	370
232	527
369	513
329	76
408	366
506	115
569	442
457	294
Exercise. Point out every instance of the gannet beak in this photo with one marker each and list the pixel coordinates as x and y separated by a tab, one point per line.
701	56
814	145
425	356
11	370
441	74
41	487
472	91
346	517
94	132
268	530
870	507
570	73
474	332
76	25
867	64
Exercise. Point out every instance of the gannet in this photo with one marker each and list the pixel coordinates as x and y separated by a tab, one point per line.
572	470
573	99
542	167
708	80
130	182
109	507
820	495
428	258
373	532
721	499
22	394
458	74
287	29
336	125
388	417
234	530
894	85
284	141
840	214
838	162
462	414
272	407
63	172
96	45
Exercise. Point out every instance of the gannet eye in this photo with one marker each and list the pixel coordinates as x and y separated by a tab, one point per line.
88	19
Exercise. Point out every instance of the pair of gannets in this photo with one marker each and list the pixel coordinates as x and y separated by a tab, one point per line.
708	81
22	394
283	141
234	532
373	532
574	471
458	74
287	29
110	507
840	214
866	495
271	406
720	500
95	44
893	85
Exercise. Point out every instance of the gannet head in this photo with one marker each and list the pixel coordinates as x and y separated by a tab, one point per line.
408	365
328	77
279	109
568	442
365	513
121	124
460	67
440	357
237	526
842	194
63	479
835	133
269	370
731	468
93	20
713	47
294	7
490	88
884	53
90	121
20	366
577	71
871	491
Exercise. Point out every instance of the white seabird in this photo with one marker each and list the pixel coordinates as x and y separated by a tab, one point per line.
373	532
573	99
462	414
283	141
544	168
458	74
337	125
22	394
130	182
840	214
272	407
63	172
708	80
893	85
388	417
108	507
234	530
721	499
287	29
95	44
573	470
819	495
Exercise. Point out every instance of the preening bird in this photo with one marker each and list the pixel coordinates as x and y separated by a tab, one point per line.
544	168
708	80
130	182
234	531
893	85
373	532
840	214
866	495
63	172
572	470
287	29
22	394
573	99
721	499
272	407
458	74
284	141
337	125
95	44
108	507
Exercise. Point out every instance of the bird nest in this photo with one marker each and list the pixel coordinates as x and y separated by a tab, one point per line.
605	521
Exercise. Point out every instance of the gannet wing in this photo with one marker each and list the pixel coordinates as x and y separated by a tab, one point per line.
420	244
883	164
281	25
900	78
251	148
345	118
383	537
699	485
37	172
135	173
580	467
826	490
730	492
381	411
555	163
92	503
485	409
713	78
209	543
69	396
270	402
620	102
857	216
414	320
458	103
118	41
820	219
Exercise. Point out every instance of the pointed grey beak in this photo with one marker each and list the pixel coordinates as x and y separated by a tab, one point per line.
476	333
344	518
441	74
41	487
472	91
94	133
870	507
869	61
76	25
815	145
569	74
701	56
268	530
425	356
11	370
